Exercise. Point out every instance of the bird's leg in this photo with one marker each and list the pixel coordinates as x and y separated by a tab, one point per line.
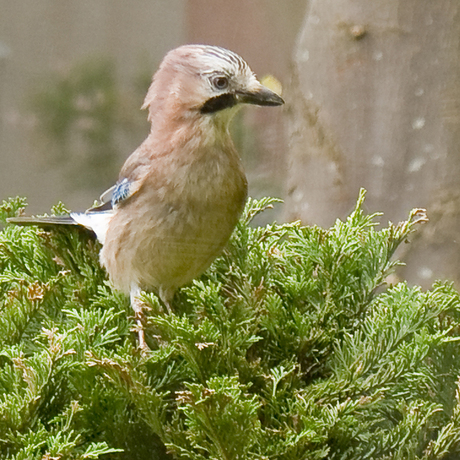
166	296
138	306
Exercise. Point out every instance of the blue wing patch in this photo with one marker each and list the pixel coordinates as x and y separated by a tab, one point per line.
121	191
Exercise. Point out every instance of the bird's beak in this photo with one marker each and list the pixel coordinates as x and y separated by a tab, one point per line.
259	96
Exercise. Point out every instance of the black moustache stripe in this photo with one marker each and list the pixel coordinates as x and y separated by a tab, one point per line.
215	104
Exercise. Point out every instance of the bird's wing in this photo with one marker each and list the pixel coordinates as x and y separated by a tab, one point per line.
98	217
115	195
106	197
122	191
105	201
98	222
95	219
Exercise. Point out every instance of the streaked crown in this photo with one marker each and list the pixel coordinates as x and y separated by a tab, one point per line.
206	79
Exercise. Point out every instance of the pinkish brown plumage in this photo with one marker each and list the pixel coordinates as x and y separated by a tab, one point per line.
180	194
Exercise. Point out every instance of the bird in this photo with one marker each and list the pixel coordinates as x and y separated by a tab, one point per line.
180	194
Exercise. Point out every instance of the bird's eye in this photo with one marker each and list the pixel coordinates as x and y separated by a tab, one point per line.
220	82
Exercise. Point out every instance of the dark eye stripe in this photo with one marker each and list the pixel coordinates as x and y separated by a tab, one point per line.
215	104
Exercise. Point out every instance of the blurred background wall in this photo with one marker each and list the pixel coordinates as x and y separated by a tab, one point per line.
49	42
372	100
73	75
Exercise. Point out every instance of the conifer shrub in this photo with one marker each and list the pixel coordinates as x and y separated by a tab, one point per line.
291	346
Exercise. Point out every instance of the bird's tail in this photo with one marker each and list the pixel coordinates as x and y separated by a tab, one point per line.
94	222
42	221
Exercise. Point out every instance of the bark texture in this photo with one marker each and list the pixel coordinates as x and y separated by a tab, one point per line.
377	105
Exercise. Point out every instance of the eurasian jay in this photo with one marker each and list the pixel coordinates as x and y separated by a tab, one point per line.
181	193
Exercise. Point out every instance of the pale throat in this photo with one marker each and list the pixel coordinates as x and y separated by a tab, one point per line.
216	126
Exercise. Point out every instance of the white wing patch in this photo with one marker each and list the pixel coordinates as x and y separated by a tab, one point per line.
98	222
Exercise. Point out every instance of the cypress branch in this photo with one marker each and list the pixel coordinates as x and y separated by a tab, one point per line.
292	346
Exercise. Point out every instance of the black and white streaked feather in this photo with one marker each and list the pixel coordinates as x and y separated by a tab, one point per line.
121	191
235	62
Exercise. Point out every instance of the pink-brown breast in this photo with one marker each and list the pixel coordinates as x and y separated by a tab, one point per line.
188	200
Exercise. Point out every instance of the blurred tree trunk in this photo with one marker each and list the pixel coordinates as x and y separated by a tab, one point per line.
377	105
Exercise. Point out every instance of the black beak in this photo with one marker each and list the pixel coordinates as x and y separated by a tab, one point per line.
261	96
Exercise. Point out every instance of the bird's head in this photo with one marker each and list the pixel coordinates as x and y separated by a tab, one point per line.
205	81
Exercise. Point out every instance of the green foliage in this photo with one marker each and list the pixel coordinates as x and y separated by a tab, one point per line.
12	208
292	346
